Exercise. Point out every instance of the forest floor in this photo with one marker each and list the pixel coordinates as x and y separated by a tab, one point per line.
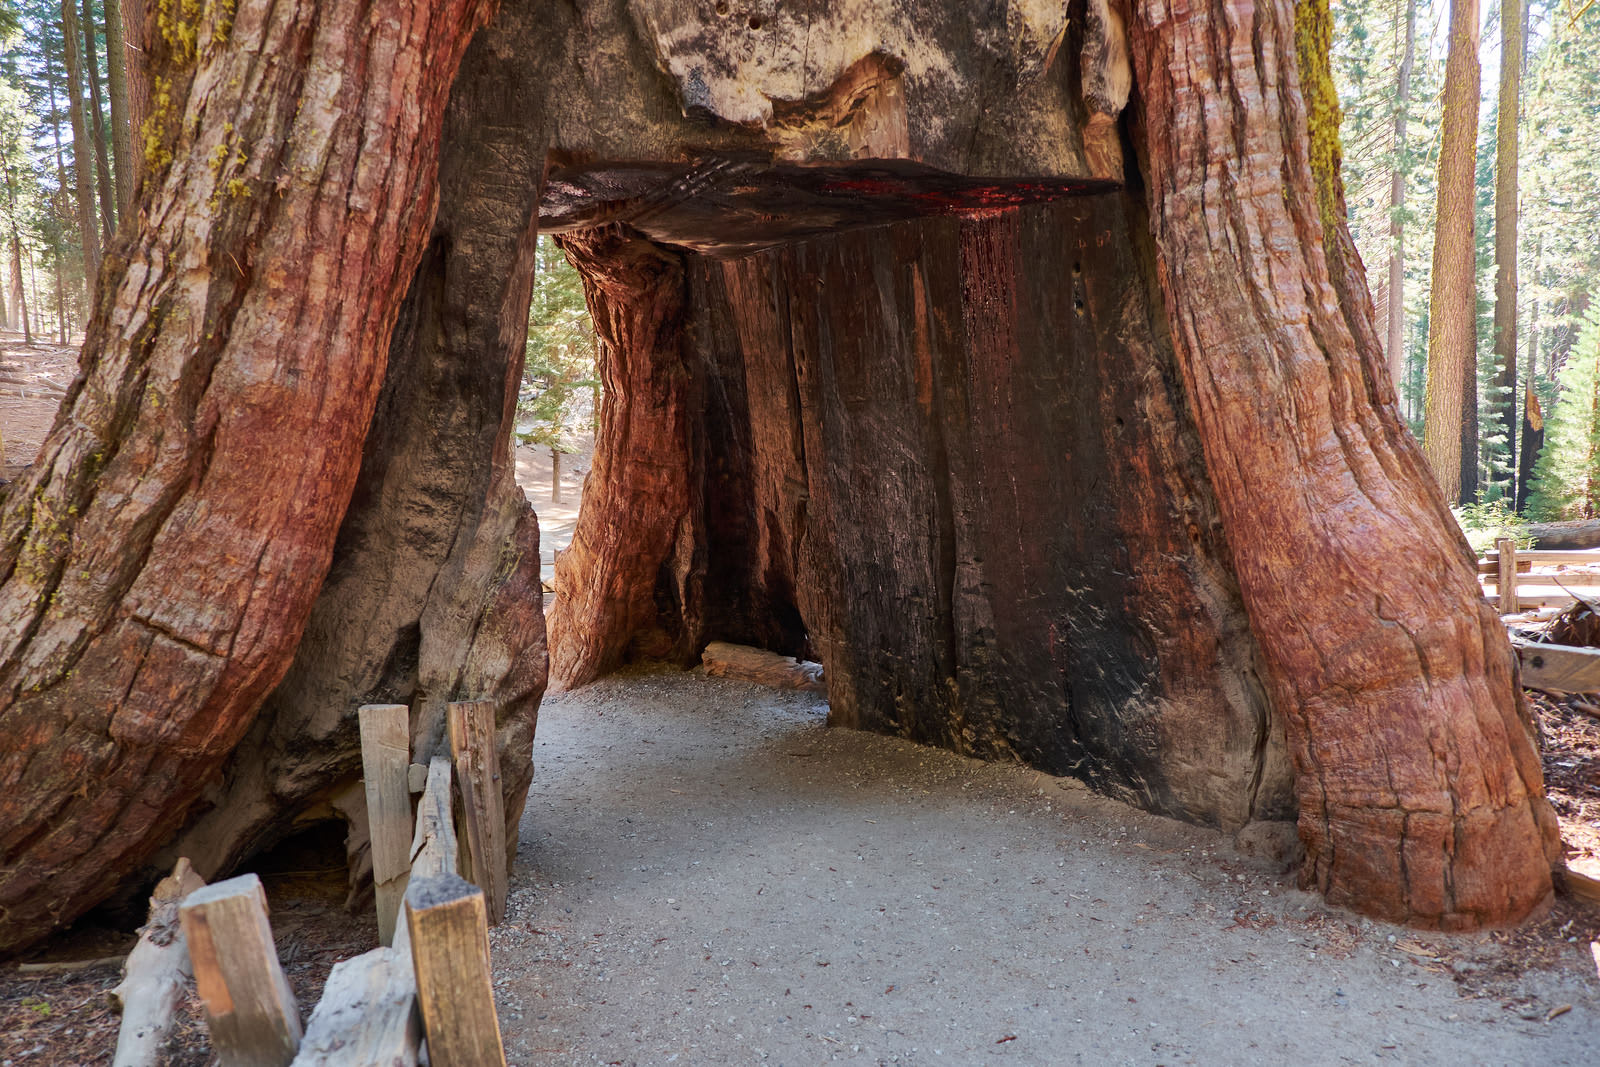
707	874
32	382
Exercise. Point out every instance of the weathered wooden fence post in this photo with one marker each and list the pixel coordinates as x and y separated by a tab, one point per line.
249	1007
1507	584
447	921
478	771
385	763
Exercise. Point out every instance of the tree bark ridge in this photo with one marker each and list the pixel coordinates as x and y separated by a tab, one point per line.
1420	794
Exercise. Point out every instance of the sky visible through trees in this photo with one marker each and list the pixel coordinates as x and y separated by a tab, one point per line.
47	122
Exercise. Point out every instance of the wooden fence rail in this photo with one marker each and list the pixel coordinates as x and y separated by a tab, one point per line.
429	984
1509	572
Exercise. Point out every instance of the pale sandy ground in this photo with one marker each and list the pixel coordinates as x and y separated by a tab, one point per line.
708	875
556	520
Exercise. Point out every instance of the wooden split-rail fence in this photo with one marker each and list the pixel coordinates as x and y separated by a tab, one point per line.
1508	571
437	893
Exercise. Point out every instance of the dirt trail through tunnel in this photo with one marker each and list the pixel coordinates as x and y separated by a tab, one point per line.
708	875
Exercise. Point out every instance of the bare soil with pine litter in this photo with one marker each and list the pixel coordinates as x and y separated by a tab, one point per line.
709	875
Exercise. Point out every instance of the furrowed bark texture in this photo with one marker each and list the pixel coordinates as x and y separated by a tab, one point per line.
160	560
434	591
1420	793
625	586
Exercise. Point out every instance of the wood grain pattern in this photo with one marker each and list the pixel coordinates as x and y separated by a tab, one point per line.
250	1009
434	849
385	765
447	919
367	1016
478	781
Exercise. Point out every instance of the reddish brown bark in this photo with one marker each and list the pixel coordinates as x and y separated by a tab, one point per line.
1420	792
160	560
433	594
637	527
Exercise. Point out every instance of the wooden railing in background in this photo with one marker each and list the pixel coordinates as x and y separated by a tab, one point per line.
1509	572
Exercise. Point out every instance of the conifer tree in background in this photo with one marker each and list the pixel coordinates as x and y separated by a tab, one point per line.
1566	480
1513	40
82	151
1450	429
117	90
97	128
17	196
1395	305
560	361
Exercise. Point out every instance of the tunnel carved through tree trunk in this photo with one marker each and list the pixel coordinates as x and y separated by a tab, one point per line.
157	571
1421	796
625	585
950	455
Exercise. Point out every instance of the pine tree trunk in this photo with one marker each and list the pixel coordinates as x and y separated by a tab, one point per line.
117	84
156	575
1513	46
82	151
63	330
18	298
97	128
1450	430
16	254
1395	345
136	70
1336	498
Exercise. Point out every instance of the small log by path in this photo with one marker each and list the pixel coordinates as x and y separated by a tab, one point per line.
725	660
367	1016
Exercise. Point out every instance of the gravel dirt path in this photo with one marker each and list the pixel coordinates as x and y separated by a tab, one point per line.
708	875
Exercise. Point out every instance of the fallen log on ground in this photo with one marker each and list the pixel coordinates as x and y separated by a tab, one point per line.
724	660
156	974
1576	533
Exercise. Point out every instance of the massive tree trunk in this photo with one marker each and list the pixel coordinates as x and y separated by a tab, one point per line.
1450	424
1420	794
434	590
1115	485
156	574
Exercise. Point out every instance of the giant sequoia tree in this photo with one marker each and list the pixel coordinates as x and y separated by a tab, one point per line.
1018	366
